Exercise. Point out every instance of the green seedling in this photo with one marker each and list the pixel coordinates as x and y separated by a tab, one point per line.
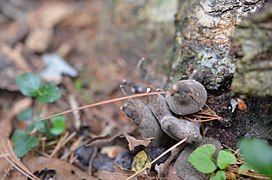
202	159
31	85
24	140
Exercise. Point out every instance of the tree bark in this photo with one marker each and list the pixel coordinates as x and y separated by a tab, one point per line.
204	39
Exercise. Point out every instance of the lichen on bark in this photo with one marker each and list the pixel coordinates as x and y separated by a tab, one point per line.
204	29
252	39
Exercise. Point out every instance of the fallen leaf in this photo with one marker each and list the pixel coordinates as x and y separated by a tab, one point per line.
50	14
9	68
101	141
133	142
39	39
112	151
140	161
118	174
63	169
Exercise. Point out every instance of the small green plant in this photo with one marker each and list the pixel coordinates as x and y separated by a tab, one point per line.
257	154
256	158
24	140
31	85
202	159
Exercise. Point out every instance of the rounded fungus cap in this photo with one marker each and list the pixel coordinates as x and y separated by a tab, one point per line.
181	103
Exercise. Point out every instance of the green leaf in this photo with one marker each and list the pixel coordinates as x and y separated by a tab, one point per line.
220	175
29	84
49	93
258	154
58	125
41	126
23	143
201	158
30	127
17	134
246	167
27	114
225	158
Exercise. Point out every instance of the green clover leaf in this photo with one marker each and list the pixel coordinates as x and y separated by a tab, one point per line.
201	158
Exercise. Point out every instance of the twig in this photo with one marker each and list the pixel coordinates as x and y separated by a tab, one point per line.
201	121
62	142
4	155
149	164
200	100
90	168
103	102
14	161
249	174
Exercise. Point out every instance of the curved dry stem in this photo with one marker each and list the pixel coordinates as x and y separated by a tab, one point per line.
102	103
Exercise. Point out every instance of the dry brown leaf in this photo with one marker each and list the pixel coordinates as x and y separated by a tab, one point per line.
16	56
112	151
133	142
50	14
63	169
39	39
101	141
118	174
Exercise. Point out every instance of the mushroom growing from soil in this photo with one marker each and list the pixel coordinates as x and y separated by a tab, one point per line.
176	128
182	103
164	114
147	124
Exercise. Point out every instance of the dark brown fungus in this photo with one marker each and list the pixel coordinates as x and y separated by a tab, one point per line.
147	124
182	103
177	128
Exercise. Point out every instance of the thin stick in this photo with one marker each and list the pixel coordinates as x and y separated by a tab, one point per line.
18	168
103	102
4	155
249	174
200	100
62	142
201	121
18	162
13	160
149	164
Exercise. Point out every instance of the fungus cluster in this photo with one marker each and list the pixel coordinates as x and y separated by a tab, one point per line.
161	119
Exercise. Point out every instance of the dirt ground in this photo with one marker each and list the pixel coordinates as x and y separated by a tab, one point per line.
103	42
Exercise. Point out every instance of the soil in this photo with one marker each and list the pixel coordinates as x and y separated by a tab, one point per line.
253	122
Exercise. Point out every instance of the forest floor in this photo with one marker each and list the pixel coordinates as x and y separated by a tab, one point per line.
102	42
